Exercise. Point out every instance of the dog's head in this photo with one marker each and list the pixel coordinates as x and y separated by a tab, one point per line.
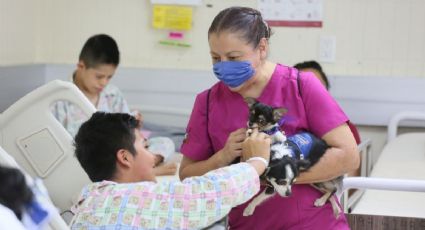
282	173
262	116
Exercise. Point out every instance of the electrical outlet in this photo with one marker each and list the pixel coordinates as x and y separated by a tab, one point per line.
327	48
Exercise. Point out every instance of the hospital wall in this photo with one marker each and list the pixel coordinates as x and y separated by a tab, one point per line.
379	67
373	38
18	31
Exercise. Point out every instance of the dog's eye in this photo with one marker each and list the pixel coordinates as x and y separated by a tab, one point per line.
281	182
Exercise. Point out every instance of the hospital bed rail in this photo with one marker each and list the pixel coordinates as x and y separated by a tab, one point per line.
360	221
39	143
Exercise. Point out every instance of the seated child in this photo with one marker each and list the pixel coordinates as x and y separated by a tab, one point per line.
125	194
98	60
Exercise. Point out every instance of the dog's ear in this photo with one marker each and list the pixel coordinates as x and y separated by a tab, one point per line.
250	101
303	165
278	113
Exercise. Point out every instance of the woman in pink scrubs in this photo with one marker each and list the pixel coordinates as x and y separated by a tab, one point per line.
238	39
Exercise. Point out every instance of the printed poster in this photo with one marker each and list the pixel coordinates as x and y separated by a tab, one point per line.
292	13
172	17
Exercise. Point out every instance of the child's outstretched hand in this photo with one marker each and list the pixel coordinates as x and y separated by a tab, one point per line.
256	145
165	169
256	150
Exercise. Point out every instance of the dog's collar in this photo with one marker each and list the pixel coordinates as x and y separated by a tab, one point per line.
272	131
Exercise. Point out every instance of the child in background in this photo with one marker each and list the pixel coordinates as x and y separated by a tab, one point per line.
98	60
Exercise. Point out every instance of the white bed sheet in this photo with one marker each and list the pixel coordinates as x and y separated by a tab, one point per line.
402	158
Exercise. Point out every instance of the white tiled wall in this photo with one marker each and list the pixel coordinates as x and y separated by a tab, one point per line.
373	37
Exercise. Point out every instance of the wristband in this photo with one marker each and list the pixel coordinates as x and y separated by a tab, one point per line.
266	163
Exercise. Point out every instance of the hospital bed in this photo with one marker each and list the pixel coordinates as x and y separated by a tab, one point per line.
402	160
56	222
39	143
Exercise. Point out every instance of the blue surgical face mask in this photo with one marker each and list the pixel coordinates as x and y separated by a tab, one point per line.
233	73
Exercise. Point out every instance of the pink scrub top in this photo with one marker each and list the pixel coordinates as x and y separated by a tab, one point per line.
310	107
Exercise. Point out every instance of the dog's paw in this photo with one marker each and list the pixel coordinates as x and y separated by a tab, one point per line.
248	132
335	207
249	210
319	202
336	212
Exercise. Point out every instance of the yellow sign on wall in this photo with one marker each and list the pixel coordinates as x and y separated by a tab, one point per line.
172	17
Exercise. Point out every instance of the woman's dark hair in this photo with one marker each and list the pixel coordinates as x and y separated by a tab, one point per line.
245	20
316	66
14	191
99	139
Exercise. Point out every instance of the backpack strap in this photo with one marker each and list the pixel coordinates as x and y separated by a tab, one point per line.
207	117
299	83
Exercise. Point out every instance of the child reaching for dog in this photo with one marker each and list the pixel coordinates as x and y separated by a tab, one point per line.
98	60
125	194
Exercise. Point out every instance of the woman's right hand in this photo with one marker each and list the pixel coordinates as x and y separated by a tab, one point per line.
231	150
233	147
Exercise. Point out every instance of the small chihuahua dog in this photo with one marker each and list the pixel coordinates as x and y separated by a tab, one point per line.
288	157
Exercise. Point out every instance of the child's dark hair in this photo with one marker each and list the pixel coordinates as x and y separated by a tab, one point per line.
99	139
245	20
100	49
316	66
14	191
